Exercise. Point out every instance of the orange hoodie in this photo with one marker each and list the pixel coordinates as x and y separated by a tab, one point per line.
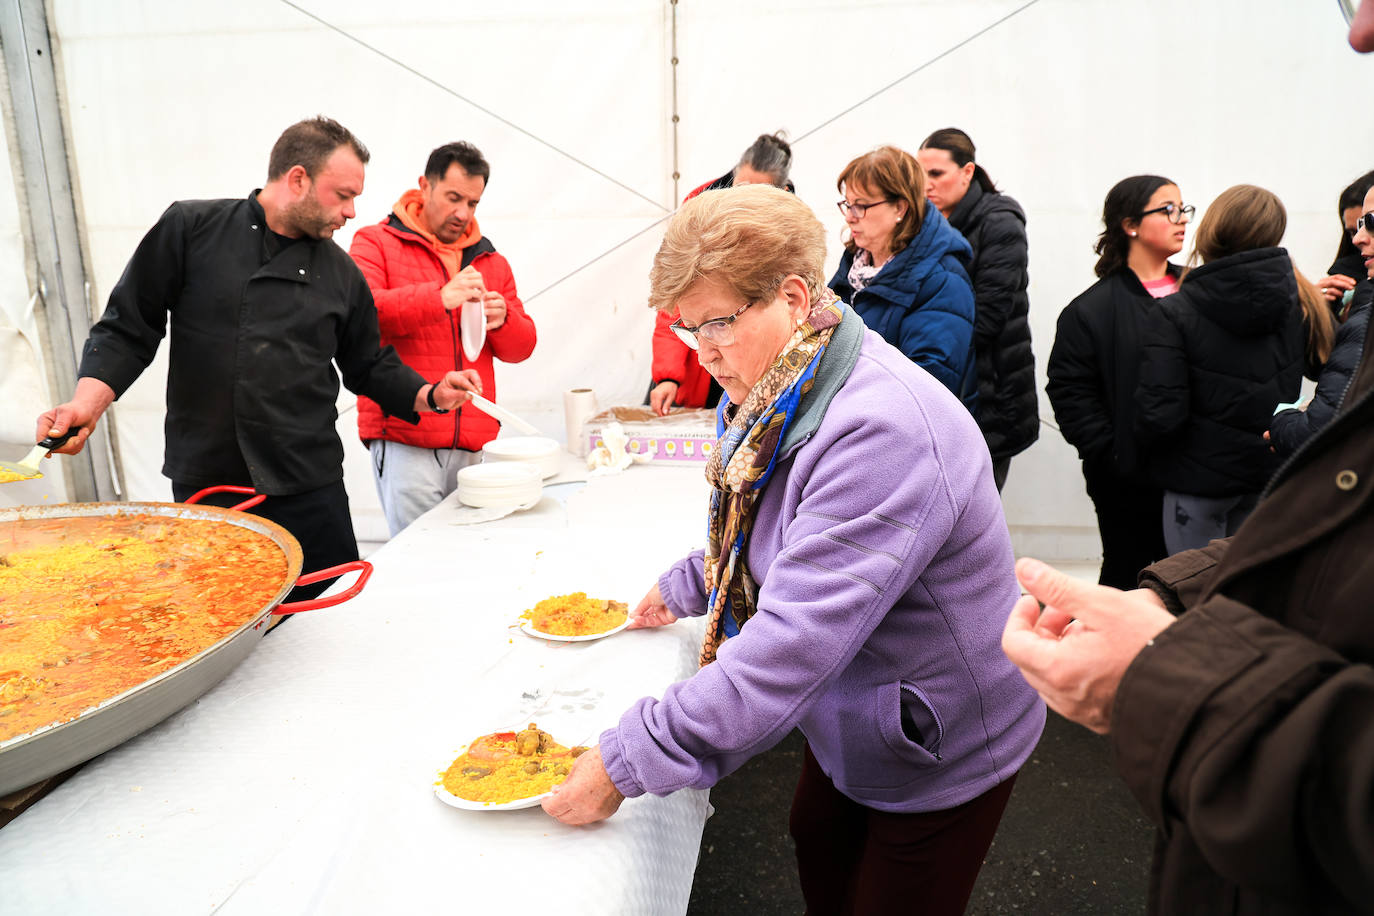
410	210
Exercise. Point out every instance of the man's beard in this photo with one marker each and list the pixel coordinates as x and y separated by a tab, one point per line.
308	218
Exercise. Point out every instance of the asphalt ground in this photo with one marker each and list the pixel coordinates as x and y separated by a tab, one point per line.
1071	843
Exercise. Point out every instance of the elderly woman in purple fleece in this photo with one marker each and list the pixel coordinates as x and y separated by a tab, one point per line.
856	578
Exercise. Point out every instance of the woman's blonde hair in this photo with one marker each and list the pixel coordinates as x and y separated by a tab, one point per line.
1245	217
893	174
749	238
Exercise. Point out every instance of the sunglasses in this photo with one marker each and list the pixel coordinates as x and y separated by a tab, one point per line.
1366	223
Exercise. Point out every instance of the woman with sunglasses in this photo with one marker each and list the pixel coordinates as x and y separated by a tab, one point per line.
1094	364
904	268
1348	269
678	379
995	227
857	567
1216	359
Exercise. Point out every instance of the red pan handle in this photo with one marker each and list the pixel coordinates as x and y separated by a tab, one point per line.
229	488
295	607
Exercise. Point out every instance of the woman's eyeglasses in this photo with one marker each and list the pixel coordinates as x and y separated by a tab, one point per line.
858	209
1365	222
719	331
1175	212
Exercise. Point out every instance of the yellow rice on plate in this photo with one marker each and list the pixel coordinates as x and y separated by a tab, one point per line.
508	766
576	615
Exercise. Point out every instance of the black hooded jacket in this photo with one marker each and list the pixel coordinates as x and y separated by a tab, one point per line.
1218	356
995	228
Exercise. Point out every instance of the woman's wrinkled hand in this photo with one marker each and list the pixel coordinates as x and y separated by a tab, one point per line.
587	795
651	611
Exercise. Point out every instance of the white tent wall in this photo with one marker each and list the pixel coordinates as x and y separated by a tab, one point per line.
172	99
23	380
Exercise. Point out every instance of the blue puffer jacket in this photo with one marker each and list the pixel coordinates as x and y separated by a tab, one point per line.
921	302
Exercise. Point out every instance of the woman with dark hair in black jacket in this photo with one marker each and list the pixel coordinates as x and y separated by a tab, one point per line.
1218	358
995	227
1291	428
1348	269
1094	365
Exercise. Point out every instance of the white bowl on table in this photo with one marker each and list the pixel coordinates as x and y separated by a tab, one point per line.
504	484
540	452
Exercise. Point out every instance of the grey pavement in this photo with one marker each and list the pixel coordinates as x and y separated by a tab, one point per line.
1072	841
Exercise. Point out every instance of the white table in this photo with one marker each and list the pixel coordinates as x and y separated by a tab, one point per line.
304	781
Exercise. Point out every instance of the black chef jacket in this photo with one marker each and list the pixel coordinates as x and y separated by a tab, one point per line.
250	385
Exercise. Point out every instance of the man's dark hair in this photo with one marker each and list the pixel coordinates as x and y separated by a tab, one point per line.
309	143
461	153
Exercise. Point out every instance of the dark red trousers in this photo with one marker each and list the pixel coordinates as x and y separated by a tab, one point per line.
856	861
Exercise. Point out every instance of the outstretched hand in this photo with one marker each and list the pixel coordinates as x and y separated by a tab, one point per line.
651	611
1076	648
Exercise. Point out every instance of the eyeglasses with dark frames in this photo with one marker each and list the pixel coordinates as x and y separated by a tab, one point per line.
859	209
1175	213
1365	222
719	331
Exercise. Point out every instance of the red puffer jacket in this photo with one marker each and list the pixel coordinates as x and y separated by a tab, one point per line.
405	276
677	362
674	361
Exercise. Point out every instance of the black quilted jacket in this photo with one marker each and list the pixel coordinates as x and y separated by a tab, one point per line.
995	227
1218	356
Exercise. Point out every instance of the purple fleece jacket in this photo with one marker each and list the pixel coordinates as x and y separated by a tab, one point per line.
885	577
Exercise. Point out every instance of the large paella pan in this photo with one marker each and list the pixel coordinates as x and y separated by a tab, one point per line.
181	668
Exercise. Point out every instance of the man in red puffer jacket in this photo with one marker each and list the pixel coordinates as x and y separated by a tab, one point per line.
422	263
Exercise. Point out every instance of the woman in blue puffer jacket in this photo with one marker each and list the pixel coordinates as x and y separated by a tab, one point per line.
903	268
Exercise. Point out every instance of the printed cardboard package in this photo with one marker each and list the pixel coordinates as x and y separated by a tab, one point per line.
684	435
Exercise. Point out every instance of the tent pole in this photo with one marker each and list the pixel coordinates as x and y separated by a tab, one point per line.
47	198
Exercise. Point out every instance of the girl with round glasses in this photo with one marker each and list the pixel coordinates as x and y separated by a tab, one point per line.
904	268
1094	364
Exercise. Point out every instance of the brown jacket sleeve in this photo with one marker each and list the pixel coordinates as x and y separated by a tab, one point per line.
1179	580
1261	742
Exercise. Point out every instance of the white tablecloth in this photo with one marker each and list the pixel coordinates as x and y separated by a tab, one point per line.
304	781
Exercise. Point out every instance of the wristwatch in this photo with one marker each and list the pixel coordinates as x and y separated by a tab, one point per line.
430	398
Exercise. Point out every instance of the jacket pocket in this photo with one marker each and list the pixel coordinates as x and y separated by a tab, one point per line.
862	743
920	723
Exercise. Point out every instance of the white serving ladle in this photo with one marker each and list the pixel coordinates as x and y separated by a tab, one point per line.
504	415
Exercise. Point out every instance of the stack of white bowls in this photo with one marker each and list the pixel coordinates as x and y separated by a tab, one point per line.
504	485
541	452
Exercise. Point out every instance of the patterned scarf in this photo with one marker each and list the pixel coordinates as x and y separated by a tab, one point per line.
742	464
862	270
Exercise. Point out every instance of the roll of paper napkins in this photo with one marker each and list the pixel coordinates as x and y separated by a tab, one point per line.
578	405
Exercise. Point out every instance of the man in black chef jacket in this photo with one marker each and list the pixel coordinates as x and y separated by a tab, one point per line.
261	302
